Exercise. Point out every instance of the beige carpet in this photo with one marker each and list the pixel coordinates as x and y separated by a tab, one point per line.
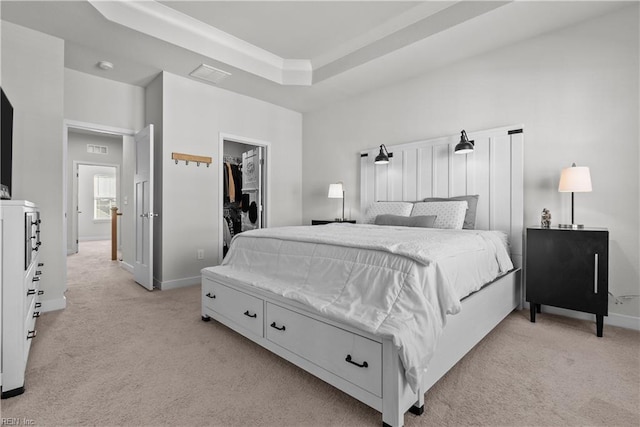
120	355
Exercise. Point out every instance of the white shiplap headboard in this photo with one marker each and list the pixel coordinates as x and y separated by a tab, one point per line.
430	168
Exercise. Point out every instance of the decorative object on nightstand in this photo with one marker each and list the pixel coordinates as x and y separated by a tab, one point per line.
464	146
545	219
568	268
575	179
336	191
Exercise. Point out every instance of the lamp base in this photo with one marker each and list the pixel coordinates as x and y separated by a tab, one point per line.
572	226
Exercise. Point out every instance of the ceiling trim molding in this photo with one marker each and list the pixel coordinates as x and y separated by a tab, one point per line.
169	25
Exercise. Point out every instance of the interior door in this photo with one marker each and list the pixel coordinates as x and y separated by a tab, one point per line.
252	188
143	202
261	192
76	211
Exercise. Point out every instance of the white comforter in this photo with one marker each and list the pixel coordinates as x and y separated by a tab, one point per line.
393	282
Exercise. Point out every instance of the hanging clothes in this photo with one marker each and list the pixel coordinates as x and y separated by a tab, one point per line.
225	186
237	182
232	185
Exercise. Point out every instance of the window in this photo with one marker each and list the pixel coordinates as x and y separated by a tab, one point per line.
104	196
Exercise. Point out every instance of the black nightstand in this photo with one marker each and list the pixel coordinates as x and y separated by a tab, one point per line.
329	221
568	268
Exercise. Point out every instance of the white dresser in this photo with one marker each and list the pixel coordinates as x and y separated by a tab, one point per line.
21	275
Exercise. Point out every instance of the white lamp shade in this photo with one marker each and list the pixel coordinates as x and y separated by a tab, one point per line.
335	191
576	179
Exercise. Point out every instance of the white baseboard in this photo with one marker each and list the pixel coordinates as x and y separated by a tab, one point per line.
613	319
126	266
53	304
178	283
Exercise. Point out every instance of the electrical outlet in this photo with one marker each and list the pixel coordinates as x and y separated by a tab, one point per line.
200	254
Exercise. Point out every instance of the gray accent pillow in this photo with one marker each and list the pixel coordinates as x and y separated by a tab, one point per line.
472	207
425	221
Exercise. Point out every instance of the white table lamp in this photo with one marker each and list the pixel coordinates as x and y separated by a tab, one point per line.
336	191
575	179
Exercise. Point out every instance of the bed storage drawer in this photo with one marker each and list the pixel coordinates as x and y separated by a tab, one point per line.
348	355
242	309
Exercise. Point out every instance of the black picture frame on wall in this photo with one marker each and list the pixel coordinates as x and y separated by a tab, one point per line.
6	145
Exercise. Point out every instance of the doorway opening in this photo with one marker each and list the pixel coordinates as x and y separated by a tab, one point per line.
87	145
96	190
244	181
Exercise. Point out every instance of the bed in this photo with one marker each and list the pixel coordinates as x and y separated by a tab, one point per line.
373	309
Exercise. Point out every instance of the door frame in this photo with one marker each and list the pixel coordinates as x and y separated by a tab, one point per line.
266	193
74	215
92	127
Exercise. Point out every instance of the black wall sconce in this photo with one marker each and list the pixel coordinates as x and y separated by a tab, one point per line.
464	146
383	157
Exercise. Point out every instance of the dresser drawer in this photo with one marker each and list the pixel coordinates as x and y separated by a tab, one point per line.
32	288
350	356
29	334
244	310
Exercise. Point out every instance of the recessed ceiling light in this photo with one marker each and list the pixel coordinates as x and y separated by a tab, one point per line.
105	65
210	74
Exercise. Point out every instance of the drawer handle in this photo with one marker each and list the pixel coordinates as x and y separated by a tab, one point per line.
211	296
36	314
31	334
38	305
254	315
273	325
31	292
35	279
38	272
364	364
595	274
40	264
40	292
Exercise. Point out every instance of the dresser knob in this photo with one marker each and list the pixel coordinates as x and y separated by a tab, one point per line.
31	292
40	292
31	334
36	314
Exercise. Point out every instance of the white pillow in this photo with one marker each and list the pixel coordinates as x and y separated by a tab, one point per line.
448	214
387	208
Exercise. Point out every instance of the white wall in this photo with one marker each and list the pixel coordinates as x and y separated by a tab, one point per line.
193	117
575	90
92	99
95	100
36	92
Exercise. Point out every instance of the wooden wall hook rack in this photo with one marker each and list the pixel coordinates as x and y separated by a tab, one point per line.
191	158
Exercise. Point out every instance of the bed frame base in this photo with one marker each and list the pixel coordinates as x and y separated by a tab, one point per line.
480	313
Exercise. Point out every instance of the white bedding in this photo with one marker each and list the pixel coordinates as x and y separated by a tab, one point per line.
393	282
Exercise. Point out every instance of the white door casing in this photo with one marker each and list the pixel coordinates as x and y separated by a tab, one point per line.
143	202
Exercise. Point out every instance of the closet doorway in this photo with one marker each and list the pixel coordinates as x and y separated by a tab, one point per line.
244	180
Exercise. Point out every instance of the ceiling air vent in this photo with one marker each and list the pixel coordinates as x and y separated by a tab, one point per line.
210	74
